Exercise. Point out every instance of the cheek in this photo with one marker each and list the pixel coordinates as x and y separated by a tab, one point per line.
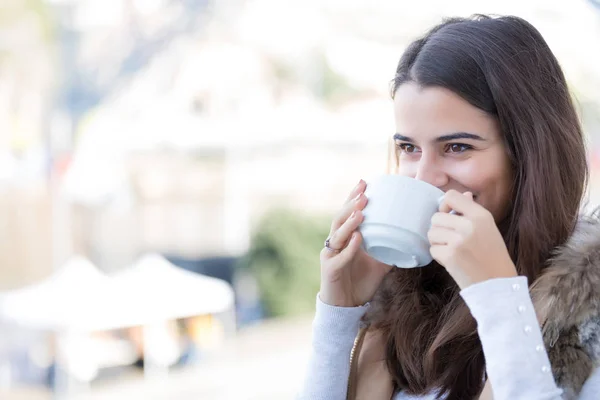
472	175
491	178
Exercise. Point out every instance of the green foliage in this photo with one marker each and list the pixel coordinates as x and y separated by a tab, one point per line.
335	88
18	14
331	86
319	77
284	258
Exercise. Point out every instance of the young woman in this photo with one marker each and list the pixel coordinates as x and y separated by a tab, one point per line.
510	308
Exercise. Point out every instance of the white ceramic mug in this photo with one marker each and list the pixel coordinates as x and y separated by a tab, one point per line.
397	219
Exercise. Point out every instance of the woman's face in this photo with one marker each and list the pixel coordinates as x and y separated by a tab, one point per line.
447	142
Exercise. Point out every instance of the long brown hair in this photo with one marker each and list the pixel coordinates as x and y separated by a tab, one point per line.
504	67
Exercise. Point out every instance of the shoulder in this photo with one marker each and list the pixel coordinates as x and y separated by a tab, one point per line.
566	298
567	293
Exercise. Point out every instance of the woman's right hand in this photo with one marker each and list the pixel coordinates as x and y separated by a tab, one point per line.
349	277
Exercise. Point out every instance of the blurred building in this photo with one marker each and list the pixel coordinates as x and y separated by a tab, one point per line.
173	125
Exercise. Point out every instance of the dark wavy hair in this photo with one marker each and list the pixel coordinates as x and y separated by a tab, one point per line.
504	67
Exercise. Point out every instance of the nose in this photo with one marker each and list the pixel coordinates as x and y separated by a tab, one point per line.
429	170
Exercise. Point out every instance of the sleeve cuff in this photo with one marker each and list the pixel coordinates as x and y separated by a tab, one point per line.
339	320
480	295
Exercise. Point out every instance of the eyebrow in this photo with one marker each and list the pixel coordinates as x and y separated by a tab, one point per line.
443	138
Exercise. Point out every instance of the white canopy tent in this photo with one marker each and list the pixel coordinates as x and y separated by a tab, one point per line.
71	298
158	291
79	297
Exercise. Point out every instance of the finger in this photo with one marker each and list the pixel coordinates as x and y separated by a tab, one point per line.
439	253
359	188
339	239
461	203
358	203
451	221
350	251
442	236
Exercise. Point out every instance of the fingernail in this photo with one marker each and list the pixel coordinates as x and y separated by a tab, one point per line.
358	184
353	214
358	196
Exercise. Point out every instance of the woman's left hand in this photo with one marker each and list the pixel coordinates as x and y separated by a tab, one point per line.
468	243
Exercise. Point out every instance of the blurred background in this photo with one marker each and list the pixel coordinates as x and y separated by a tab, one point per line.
169	169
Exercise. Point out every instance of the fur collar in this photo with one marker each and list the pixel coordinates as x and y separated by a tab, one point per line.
566	298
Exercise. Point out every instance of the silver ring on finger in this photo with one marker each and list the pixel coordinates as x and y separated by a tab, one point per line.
328	246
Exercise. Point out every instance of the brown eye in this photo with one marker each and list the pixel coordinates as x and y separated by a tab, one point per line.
458	148
407	148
